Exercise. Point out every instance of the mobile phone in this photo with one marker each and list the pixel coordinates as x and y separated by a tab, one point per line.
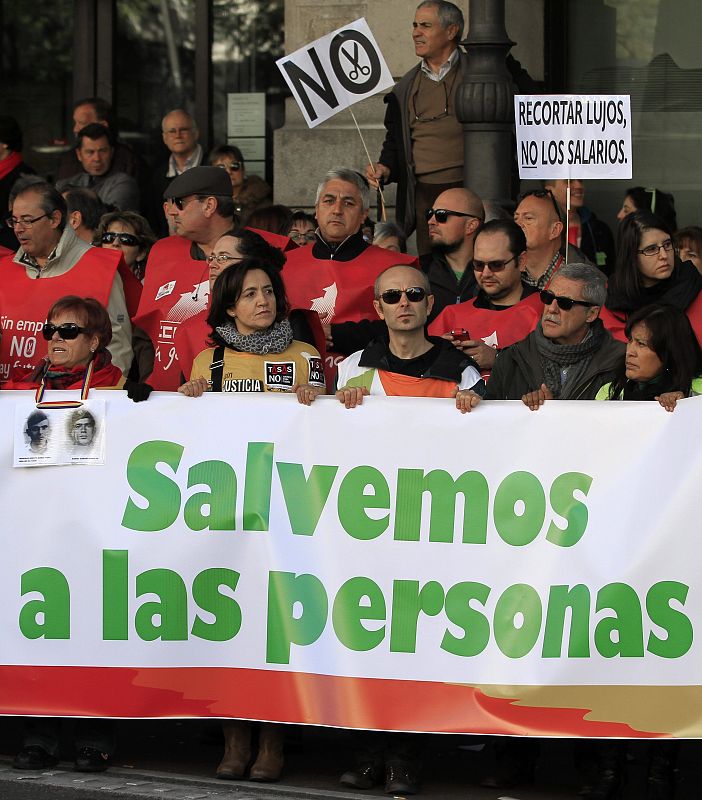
460	333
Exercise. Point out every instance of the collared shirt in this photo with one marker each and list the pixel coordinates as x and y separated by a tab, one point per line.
543	280
193	161
66	242
444	69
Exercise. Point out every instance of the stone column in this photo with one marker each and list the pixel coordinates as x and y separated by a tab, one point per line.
485	103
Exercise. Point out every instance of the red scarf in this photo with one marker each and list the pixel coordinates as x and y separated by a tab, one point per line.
9	163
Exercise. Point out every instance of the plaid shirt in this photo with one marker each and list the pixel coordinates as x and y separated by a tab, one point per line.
545	279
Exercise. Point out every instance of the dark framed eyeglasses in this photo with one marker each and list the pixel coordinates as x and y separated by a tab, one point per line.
25	222
564	303
543	194
654	249
493	266
297	236
67	330
127	239
234	166
415	294
442	214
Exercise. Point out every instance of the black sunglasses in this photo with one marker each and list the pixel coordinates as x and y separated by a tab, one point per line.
442	214
234	166
179	203
543	194
128	239
415	294
67	330
493	266
564	303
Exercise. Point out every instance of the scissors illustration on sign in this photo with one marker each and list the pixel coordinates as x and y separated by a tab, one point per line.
357	68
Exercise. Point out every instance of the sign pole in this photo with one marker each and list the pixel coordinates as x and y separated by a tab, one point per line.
381	198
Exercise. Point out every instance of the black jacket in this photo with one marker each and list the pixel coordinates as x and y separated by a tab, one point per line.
518	370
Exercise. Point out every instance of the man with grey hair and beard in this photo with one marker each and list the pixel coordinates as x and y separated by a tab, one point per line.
570	355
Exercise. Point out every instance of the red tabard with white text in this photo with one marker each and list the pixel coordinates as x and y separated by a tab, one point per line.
24	303
176	288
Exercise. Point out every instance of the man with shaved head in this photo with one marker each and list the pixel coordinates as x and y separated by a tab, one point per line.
404	361
453	223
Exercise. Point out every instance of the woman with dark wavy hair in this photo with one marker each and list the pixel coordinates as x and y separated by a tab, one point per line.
663	359
649	271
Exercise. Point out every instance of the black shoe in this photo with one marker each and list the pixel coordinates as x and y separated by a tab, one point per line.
34	757
608	785
90	759
399	780
365	776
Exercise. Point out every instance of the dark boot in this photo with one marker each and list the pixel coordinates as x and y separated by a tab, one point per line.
237	749
660	781
269	762
609	776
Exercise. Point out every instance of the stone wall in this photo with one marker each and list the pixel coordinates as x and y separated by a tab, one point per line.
302	155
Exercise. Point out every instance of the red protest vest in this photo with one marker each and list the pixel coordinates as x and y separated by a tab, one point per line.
283	243
615	321
176	288
339	291
24	303
498	329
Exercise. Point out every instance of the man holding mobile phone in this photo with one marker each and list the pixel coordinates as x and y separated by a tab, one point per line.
505	309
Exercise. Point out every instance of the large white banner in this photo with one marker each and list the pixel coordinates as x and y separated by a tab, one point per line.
335	71
573	136
321	554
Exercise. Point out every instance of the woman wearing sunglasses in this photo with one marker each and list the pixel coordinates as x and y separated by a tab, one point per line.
77	331
253	349
648	271
249	191
130	233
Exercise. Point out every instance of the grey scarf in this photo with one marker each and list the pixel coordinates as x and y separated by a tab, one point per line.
273	340
575	357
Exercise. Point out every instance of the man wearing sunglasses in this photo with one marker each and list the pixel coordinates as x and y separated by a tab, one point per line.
176	285
505	309
569	355
453	221
405	361
50	263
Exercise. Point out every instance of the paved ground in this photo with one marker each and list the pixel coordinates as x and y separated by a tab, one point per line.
175	760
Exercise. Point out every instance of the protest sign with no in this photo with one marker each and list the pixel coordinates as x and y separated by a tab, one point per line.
573	136
335	71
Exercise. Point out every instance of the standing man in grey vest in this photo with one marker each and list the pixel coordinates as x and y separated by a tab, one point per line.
423	147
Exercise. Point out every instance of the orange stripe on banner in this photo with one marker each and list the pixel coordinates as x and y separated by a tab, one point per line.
286	697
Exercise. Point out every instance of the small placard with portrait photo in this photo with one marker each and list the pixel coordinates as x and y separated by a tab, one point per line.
59	436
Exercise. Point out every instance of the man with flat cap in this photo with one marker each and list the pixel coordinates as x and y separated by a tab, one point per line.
200	206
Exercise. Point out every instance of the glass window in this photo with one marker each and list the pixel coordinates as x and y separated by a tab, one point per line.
247	40
154	68
36	75
649	49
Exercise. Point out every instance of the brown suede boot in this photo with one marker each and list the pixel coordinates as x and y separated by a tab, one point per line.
237	749
269	763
